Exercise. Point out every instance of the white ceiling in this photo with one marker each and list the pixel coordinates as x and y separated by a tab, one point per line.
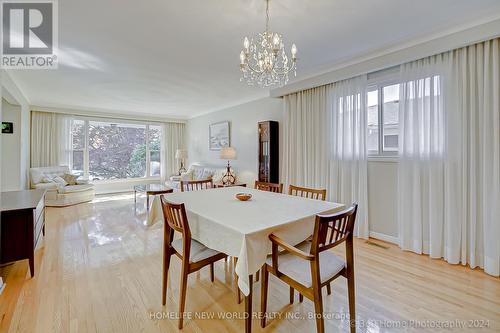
180	58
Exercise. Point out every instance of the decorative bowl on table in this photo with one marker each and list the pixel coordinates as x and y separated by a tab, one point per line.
243	196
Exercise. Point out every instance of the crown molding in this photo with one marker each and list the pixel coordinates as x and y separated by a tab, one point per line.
105	113
12	92
397	55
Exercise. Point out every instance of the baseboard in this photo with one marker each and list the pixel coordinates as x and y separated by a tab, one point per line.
385	238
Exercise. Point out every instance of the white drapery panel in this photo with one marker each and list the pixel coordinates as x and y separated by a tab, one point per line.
173	138
305	139
449	170
325	143
50	139
421	155
473	177
348	181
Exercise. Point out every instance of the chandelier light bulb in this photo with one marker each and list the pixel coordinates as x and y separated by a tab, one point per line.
294	51
246	44
242	58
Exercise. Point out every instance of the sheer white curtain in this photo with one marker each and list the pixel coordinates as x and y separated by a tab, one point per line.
473	172
306	139
449	169
421	155
50	139
325	143
348	181
173	138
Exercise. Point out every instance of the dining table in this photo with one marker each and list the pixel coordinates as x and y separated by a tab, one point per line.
241	229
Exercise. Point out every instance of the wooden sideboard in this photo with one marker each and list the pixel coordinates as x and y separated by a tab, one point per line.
22	224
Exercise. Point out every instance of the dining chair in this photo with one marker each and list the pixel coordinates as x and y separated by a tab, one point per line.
270	187
194	255
312	193
310	266
318	194
195	185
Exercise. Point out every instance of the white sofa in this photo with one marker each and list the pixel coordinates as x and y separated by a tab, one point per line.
198	171
57	194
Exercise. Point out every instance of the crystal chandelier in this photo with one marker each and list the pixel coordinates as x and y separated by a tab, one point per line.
265	62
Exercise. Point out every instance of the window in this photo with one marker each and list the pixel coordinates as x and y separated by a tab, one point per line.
105	150
154	137
79	144
372	122
383	120
390	118
383	114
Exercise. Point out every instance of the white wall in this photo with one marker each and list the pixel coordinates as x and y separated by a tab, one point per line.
382	197
11	152
12	93
244	135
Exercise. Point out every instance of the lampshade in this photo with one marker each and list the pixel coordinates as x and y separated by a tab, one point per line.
228	153
181	154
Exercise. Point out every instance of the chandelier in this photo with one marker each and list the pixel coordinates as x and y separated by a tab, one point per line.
264	62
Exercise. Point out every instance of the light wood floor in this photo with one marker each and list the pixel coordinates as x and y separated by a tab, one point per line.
99	270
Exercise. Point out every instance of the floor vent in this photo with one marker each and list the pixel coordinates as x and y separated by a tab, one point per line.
377	244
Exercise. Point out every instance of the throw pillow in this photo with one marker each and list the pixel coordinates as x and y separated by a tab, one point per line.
70	179
46	179
60	180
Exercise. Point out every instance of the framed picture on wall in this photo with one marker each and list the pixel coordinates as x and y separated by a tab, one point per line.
219	135
7	127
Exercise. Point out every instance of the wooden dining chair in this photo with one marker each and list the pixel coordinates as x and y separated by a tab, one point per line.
310	266
195	185
312	193
193	254
270	187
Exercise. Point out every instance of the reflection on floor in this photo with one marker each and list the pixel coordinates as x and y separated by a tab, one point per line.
99	269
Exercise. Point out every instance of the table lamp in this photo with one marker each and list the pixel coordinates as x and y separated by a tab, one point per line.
228	153
181	154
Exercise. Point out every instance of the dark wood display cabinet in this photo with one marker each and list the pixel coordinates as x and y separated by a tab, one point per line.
269	151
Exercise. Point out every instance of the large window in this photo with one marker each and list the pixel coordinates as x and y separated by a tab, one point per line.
383	120
105	150
79	145
383	112
154	137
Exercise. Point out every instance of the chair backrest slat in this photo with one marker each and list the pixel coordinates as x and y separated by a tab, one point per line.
331	230
195	185
311	193
269	187
175	217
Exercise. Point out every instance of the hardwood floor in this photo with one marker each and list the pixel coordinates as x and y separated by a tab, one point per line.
99	270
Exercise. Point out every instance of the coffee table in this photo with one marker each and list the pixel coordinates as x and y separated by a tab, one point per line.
151	189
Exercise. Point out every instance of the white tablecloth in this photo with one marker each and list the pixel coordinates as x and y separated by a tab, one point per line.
241	229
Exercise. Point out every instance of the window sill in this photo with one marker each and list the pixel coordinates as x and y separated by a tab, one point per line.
383	159
126	180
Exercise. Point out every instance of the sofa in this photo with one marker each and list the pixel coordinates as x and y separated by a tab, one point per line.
58	193
198	171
